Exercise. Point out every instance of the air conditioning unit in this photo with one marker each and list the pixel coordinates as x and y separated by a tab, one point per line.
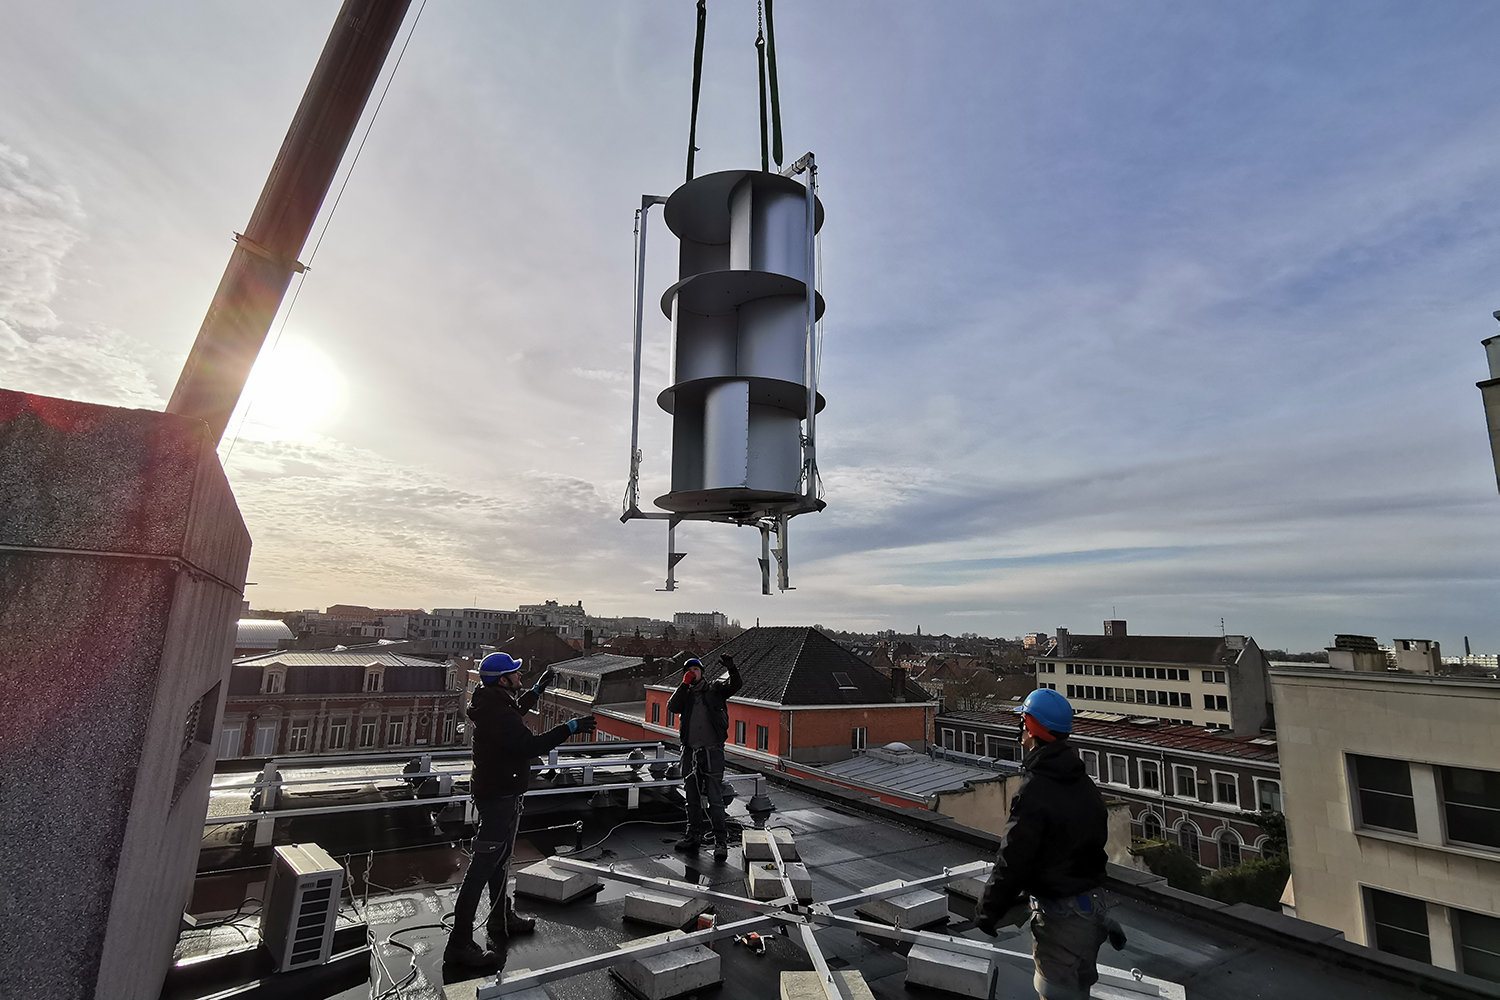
302	905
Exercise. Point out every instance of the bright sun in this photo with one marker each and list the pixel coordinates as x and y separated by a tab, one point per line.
292	392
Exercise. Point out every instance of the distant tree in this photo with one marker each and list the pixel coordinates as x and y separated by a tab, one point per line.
1273	825
1171	862
1258	881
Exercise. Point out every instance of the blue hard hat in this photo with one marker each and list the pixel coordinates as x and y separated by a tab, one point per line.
497	665
1049	708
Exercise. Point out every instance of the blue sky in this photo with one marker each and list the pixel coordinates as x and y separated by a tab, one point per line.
1163	308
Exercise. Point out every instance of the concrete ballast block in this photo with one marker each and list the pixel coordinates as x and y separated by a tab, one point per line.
756	845
963	897
542	881
671	973
917	908
762	882
805	986
662	908
966	975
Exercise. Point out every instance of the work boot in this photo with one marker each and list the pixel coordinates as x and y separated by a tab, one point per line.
721	849
689	842
517	923
463	951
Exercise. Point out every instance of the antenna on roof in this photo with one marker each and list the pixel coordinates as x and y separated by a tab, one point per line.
1222	630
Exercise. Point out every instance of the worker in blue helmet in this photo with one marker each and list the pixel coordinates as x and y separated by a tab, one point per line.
1051	861
503	751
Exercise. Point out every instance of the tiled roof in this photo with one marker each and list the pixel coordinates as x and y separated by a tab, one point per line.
1148	649
1170	737
359	656
800	666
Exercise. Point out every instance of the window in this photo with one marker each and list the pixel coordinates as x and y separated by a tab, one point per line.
1187	838
739	732
452	684
1090	762
672	719
1229	849
1226	788
1399	924
395	733
1384	793
367	734
1208	676
1268	795
994	748
1471	805
374	679
857	738
265	739
656	713
1119	770
1150	827
297	739
762	738
1478	944
273	682
947	739
338	735
448	727
1216	702
231	739
1151	775
969	741
1185	782
843	681
1187	700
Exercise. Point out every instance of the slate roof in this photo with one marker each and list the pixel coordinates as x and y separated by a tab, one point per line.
598	664
800	666
1147	649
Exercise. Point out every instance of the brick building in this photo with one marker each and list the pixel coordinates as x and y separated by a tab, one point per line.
805	698
339	701
1181	783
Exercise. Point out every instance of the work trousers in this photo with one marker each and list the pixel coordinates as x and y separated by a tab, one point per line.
1066	935
703	781
499	820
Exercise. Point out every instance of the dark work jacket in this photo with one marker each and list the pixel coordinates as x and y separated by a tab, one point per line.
715	696
503	747
1054	842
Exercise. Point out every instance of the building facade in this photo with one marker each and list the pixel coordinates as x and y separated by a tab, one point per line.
339	701
466	630
1398	845
1180	783
702	623
1213	682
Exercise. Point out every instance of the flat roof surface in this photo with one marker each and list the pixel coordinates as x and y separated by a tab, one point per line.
922	777
846	851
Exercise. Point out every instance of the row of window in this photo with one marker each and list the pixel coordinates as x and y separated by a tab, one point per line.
1400	925
1468	800
1231	849
1223	786
1144	673
231	739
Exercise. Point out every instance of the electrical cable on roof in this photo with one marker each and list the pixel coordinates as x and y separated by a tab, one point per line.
302	275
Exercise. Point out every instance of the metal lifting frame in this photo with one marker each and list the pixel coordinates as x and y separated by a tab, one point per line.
809	476
786	913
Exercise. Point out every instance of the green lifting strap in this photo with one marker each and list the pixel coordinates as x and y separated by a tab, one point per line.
760	55
775	93
697	82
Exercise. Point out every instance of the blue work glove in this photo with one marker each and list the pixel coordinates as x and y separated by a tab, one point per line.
582	725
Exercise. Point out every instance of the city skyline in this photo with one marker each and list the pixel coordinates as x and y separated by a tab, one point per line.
1164	314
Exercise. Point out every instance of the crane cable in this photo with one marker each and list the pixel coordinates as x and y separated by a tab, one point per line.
765	51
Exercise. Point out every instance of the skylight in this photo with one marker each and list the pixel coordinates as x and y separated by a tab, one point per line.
843	681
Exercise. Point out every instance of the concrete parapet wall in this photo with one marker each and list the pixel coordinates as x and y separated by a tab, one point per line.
122	562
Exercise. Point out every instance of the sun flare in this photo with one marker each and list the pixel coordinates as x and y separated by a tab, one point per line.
292	392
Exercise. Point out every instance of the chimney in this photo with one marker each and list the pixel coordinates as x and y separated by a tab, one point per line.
588	639
1114	627
1062	642
898	684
